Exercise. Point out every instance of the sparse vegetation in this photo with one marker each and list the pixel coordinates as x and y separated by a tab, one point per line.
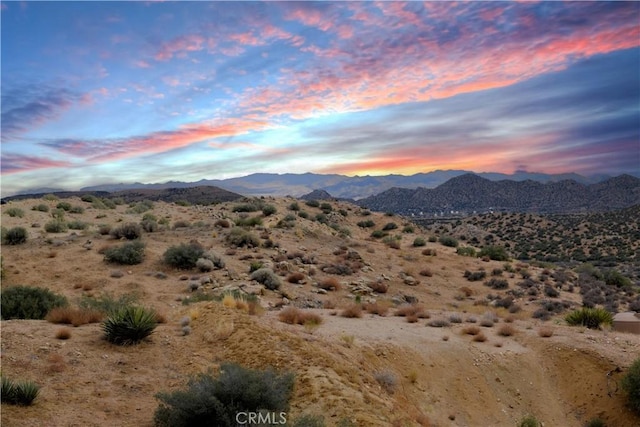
387	380
129	253
448	241
129	231
56	226
295	316
14	236
631	385
267	277
184	256
592	318
238	237
21	393
15	212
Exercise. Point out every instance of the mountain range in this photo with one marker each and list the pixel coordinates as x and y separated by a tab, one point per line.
467	193
339	186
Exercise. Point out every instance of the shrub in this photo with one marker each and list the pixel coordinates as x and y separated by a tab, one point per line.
267	277
419	241
216	259
25	302
129	325
448	241
223	223
506	330
63	334
268	210
390	226
303	214
471	330
40	207
209	401
379	287
352	311
239	237
295	277
631	384
496	253
595	422
366	224
248	221
294	206
376	308
475	276
466	251
130	253
592	318
329	284
615	278
529	421
77	225
55	226
326	207
313	203
76	209
108	304
387	380
15	236
294	316
138	208
104	229
545	332
245	207
438	323
406	310
65	206
495	283
480	337
19	393
408	229
129	231
429	252
149	225
184	256
15	212
74	316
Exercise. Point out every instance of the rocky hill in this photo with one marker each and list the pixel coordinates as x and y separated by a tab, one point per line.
471	193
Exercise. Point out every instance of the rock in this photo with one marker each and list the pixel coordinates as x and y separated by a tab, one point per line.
411	281
205	280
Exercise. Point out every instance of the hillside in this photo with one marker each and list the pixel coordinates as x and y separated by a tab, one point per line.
375	370
469	193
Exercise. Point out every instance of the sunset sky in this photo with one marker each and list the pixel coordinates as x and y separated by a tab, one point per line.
105	92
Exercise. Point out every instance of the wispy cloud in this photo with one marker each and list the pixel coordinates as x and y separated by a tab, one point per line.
14	163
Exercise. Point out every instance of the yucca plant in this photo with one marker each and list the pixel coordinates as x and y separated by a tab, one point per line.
19	393
592	318
129	325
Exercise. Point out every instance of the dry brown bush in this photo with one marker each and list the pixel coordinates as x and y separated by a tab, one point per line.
63	333
471	330
426	272
295	277
412	310
376	308
329	284
352	311
506	330
545	332
480	337
379	287
74	316
295	316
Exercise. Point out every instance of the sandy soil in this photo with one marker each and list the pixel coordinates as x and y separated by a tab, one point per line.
443	377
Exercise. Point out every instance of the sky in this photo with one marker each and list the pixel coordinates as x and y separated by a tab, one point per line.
108	92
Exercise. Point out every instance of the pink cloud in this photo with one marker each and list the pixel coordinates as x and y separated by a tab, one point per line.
180	46
16	163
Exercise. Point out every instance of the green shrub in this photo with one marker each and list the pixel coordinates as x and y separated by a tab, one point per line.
390	226
56	226
529	421
269	210
58	214
77	225
294	206
496	253
19	393
322	218
248	221
138	208
209	401
149	225
50	197
631	384
89	198
408	229
182	203
592	318
366	224
106	303
617	279
466	251
15	236
267	277
184	256
495	283
419	241
130	253
76	209
15	212
41	208
326	207
448	241
377	234
239	237
65	206
245	207
129	231
26	302
595	422
433	239
129	325
303	214
312	203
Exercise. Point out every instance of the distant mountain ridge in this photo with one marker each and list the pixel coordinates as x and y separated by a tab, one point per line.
341	186
471	192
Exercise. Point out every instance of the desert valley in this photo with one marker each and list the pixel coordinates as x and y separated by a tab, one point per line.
382	321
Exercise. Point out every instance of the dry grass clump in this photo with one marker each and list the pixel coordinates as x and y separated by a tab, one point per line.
74	316
438	323
352	311
545	332
295	316
480	337
379	287
466	291
407	310
412	318
63	333
329	284
506	330
429	252
471	330
295	277
376	308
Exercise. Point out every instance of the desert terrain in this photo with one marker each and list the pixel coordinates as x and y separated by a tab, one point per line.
438	375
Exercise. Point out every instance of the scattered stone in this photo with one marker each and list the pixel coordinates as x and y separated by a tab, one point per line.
116	274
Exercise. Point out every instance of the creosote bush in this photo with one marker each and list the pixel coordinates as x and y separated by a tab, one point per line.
19	393
184	256
56	226
15	212
129	231
15	236
129	325
130	253
267	277
448	241
419	241
209	401
26	302
239	238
